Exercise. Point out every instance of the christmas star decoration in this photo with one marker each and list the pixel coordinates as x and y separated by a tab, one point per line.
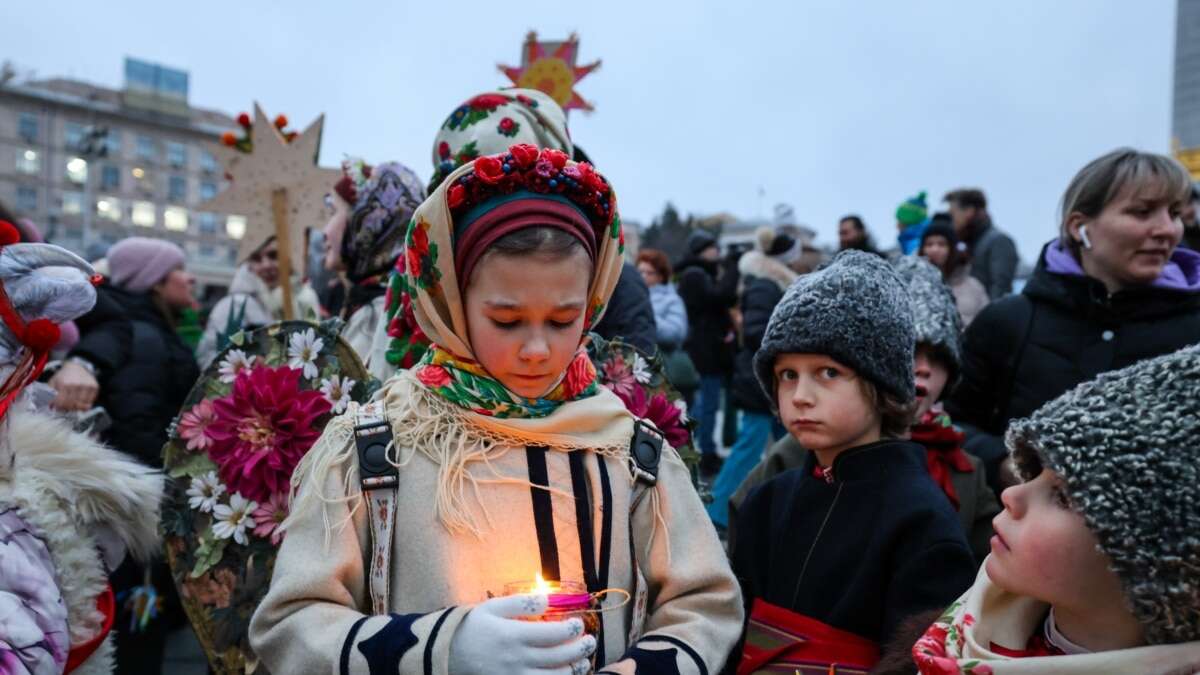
550	68
274	165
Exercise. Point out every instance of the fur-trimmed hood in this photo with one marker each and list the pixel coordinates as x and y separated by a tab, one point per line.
755	263
88	502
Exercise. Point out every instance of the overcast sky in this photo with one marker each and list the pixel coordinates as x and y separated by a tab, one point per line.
834	107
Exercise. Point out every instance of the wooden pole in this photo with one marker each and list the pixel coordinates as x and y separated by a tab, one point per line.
279	205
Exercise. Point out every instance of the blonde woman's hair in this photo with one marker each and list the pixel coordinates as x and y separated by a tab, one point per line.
1157	178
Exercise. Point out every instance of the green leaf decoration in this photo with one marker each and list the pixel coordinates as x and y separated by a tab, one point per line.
209	553
196	464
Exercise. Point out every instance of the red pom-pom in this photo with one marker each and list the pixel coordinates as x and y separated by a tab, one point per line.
243	120
97	279
228	139
41	335
8	233
281	121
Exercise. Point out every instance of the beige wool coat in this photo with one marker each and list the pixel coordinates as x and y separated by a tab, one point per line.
314	618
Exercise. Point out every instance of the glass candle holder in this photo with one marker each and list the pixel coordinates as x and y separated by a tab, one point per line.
565	600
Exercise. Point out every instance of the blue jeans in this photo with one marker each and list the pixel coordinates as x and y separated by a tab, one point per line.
708	401
756	431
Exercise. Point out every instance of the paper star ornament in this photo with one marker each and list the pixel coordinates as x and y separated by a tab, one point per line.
550	68
275	164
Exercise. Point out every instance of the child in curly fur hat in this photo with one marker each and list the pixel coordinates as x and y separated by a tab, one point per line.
1094	563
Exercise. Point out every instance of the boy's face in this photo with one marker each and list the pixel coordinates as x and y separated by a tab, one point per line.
1044	550
931	377
822	403
525	318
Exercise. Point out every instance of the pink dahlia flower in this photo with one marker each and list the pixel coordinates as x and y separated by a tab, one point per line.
193	424
262	429
661	412
269	515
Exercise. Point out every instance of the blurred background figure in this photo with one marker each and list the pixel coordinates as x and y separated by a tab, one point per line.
940	246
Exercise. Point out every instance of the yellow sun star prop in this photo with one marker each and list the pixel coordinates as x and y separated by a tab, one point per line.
550	68
277	184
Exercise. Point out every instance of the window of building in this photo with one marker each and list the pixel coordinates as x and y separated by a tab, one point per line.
147	149
207	161
176	154
208	251
77	169
143	213
208	190
177	189
28	162
143	180
28	127
175	218
73	135
72	203
112	142
27	198
235	226
109	208
110	177
206	222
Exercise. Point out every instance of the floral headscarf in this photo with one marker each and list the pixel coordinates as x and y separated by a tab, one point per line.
493	121
385	197
450	368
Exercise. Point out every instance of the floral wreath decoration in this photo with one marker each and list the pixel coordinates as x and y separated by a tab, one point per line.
245	142
245	426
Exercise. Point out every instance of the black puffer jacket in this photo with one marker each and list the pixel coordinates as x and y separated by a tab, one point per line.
708	297
1063	329
145	370
630	316
763	282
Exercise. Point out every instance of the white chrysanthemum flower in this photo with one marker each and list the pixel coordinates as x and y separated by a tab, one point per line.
641	370
337	391
204	492
235	362
233	519
683	411
303	350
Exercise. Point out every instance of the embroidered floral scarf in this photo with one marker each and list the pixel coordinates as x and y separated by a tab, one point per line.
450	368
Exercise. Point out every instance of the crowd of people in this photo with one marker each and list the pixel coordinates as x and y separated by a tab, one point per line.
931	473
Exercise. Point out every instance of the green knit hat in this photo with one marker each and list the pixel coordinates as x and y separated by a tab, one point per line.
913	210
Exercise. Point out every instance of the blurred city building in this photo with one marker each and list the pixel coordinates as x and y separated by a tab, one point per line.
1185	117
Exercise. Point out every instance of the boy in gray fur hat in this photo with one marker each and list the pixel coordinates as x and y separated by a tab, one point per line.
858	537
1094	563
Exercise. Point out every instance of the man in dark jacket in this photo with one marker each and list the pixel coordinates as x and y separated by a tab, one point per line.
709	291
1191	224
630	316
993	254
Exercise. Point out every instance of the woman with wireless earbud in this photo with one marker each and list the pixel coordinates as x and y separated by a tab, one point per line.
1111	289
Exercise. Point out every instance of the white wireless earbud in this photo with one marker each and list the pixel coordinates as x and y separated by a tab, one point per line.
1083	236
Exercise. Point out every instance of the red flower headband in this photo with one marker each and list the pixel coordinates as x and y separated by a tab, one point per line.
545	171
38	336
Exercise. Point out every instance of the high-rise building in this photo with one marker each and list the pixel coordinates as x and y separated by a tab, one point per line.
1185	118
91	165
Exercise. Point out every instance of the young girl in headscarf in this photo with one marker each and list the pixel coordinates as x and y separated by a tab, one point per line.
69	508
512	462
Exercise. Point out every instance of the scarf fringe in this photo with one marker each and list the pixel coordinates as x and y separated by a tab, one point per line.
449	436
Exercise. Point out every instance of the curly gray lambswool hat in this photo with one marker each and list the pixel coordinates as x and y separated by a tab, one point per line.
854	310
1127	447
935	315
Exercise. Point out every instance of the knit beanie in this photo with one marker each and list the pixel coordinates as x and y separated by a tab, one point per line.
1127	447
854	310
936	320
913	210
939	227
700	240
136	264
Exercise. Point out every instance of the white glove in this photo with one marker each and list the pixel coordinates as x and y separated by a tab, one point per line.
492	640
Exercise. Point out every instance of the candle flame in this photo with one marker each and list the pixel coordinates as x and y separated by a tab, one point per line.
540	586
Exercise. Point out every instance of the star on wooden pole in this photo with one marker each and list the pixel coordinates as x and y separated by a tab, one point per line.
280	191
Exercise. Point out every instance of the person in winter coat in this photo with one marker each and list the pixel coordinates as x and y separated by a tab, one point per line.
511	462
766	274
993	254
859	537
912	217
939	245
69	507
852	234
255	300
709	290
670	316
630	316
1191	224
370	207
1111	290
936	367
142	373
1093	563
